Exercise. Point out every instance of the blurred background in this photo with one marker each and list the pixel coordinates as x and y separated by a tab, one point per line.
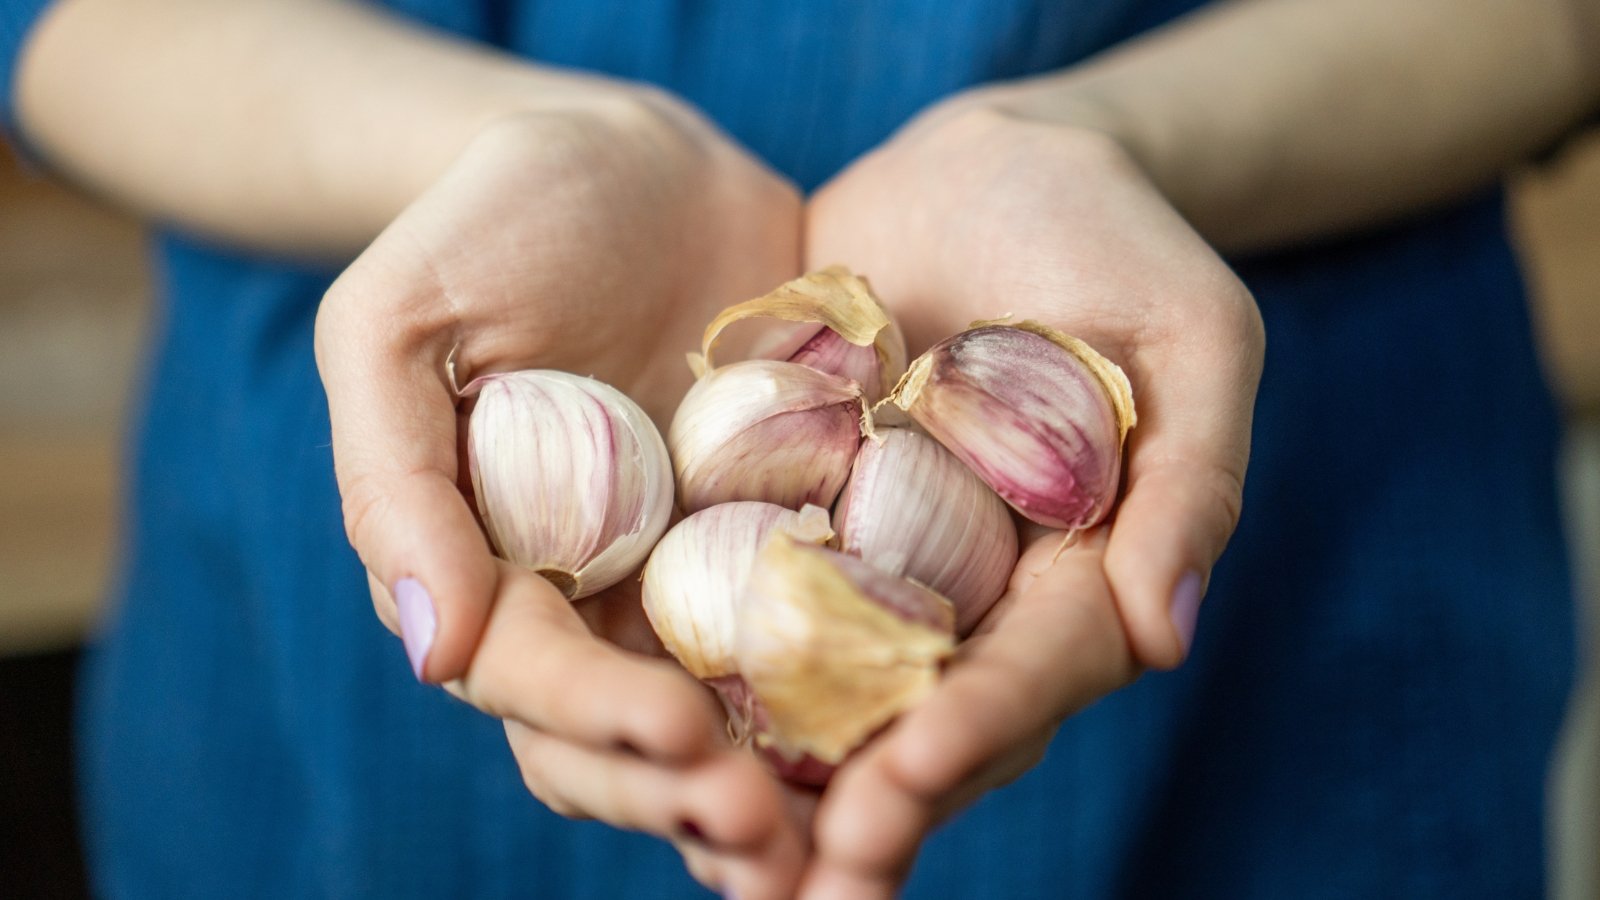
75	307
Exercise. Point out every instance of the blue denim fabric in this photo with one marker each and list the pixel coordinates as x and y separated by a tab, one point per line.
1381	662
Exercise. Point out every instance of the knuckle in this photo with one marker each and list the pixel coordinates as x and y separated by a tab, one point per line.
478	687
362	505
1225	494
536	784
332	325
530	765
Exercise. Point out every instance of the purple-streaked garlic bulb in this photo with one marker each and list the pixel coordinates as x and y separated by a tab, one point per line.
777	432
572	479
1038	415
838	326
912	509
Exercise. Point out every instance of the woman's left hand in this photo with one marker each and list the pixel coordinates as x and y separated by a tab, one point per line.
971	213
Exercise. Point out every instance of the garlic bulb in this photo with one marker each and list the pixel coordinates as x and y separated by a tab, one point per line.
696	577
571	477
856	338
763	430
912	509
834	648
1037	414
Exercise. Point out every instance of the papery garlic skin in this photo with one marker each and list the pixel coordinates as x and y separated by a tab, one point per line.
834	648
748	723
571	477
912	509
696	577
856	338
1038	415
761	430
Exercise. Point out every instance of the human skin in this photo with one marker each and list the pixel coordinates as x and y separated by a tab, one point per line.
1247	127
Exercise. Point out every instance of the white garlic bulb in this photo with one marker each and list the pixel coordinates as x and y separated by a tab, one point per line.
696	577
777	432
572	479
912	509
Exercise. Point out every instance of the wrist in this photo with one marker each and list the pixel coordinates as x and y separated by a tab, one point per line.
1071	108
993	121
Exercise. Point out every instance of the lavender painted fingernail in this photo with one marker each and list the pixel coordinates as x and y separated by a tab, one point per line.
1185	607
418	621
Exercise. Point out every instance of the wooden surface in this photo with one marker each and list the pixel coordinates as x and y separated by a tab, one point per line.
73	303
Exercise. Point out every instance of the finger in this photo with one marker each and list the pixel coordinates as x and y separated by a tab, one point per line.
383	604
824	881
394	445
1052	649
871	824
539	665
1186	465
867	830
726	808
1040	657
703	866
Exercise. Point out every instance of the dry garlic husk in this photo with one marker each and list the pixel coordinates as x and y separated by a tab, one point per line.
763	430
854	336
834	648
572	479
912	509
1037	414
696	576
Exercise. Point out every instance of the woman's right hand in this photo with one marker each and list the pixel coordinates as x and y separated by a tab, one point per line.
599	242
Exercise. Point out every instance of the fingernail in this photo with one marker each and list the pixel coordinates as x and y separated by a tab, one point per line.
418	621
1185	607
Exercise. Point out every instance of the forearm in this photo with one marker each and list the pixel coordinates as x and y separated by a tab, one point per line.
288	125
1271	121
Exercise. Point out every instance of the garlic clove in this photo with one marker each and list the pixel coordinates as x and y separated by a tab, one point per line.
912	509
572	479
858	339
763	430
1037	414
747	719
696	577
826	351
834	648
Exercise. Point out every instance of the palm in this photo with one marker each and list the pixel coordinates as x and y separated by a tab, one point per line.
558	245
977	215
585	244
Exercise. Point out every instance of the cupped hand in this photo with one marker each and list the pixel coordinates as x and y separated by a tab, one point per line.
973	212
599	241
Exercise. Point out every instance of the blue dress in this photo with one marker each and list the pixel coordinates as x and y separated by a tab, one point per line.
1369	710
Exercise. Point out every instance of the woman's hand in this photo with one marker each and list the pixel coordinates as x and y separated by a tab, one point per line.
973	213
599	242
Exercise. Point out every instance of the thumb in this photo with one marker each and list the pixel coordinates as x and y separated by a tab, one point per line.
1169	531
395	455
1186	466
